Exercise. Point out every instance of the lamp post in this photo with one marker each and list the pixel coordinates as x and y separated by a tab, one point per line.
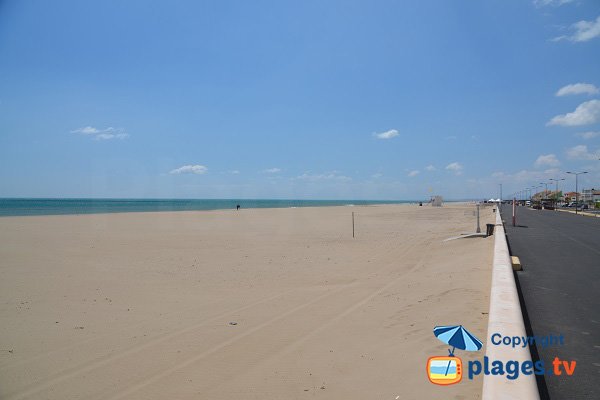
546	191
556	193
536	188
577	187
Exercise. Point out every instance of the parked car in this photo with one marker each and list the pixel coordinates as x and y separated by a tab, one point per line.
548	206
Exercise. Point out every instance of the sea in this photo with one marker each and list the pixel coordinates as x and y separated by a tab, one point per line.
38	206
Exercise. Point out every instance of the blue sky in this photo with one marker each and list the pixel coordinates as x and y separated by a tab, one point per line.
311	99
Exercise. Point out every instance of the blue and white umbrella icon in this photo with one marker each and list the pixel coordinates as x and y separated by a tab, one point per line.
457	337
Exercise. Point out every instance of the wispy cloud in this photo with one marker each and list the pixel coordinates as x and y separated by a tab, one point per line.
585	114
86	130
102	134
455	167
588	135
377	175
526	176
555	3
327	176
577	88
387	134
451	137
430	168
234	172
581	152
582	31
413	173
549	160
271	170
190	169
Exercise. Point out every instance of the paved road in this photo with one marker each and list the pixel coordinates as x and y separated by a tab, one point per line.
560	288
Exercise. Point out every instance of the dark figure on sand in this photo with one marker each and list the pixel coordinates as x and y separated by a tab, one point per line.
238	206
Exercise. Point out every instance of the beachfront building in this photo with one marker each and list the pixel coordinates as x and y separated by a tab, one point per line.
571	196
543	195
590	196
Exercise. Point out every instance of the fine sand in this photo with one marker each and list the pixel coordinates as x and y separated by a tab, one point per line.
249	304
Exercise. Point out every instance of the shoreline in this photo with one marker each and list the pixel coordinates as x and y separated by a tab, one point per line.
169	207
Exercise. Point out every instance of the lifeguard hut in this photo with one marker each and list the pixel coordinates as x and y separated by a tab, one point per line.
436	201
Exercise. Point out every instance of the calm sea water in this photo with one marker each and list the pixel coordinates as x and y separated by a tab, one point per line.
14	207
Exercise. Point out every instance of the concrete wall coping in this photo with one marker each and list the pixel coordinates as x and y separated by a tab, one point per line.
506	318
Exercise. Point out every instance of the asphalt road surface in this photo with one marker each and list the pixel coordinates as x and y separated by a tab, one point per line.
560	293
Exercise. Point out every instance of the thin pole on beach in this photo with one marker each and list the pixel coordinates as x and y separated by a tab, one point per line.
478	228
353	224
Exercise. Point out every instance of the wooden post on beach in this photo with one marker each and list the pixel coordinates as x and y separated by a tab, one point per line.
353	224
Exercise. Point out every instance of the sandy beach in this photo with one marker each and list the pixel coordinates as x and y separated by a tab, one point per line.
249	304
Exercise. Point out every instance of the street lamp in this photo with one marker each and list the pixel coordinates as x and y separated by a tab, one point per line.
577	187
536	192
546	191
556	193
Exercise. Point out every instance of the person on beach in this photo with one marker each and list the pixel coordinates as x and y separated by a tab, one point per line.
238	207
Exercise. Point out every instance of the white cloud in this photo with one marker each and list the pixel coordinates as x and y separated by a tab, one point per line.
549	160
234	172
577	88
586	30
108	136
413	173
589	135
582	31
272	170
430	168
327	176
377	175
455	167
102	134
86	130
387	134
190	169
581	152
451	137
585	114
556	3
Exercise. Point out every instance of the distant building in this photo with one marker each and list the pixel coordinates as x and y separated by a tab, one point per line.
590	196
571	196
